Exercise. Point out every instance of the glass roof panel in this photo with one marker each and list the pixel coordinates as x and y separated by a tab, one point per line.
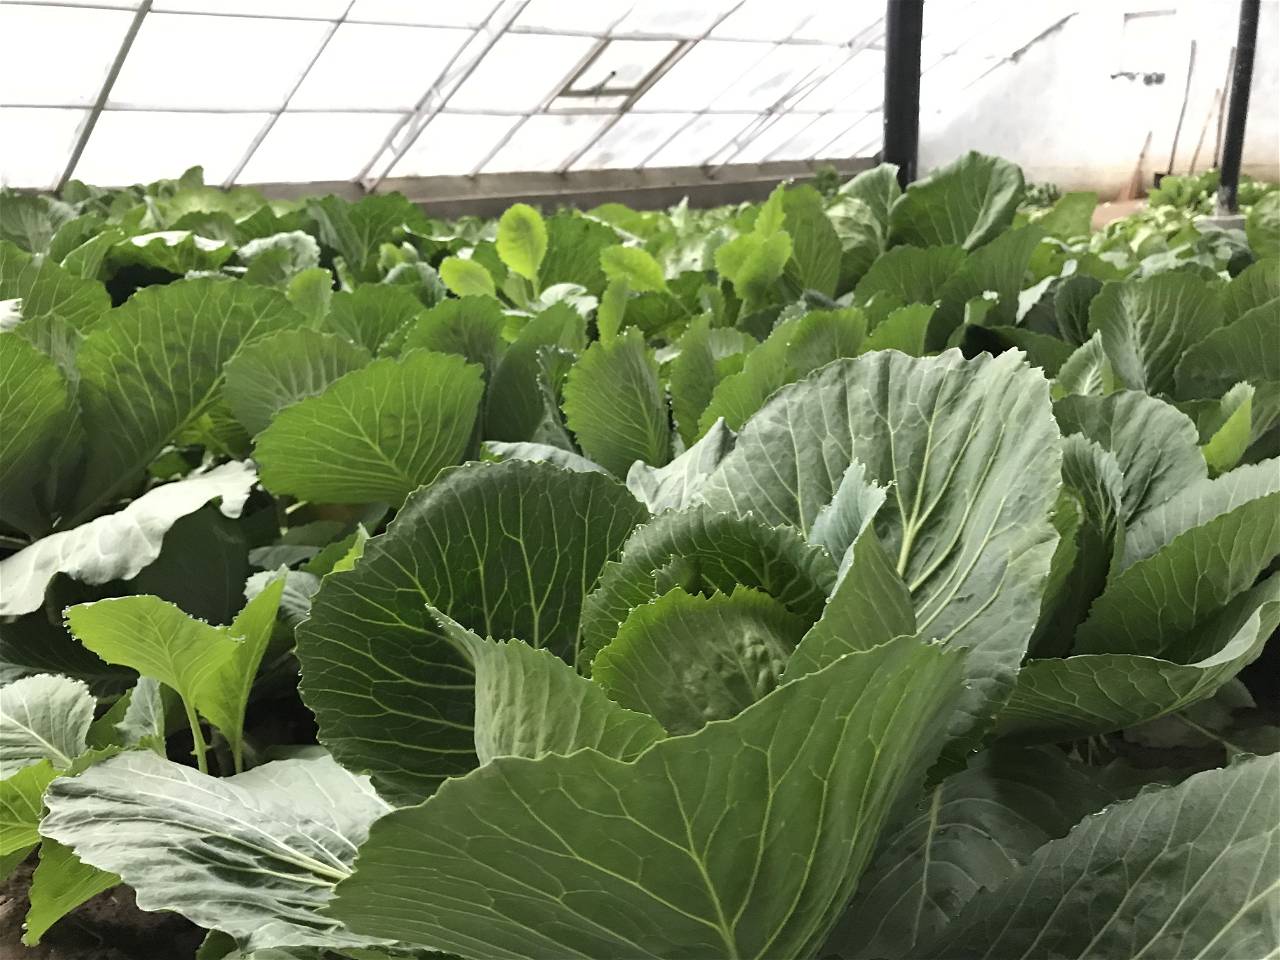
843	22
377	67
85	42
574	16
856	86
452	144
317	146
677	17
308	9
270	56
772	77
865	137
520	72
700	140
763	20
702	75
631	139
544	142
46	136
137	147
433	13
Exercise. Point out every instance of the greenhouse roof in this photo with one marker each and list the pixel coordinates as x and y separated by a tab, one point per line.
273	91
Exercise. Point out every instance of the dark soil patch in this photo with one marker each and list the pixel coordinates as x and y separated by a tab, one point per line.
108	927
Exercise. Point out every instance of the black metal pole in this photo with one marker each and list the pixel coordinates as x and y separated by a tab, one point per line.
904	25
1238	108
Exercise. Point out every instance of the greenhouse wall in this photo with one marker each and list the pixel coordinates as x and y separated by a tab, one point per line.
1075	106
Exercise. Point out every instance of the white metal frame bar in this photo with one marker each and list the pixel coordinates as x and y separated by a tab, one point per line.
442	90
284	105
104	92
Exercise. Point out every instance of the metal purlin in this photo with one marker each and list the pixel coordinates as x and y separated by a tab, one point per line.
266	128
104	92
597	47
654	76
495	25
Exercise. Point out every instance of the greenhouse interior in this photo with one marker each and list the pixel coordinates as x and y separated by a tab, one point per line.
616	480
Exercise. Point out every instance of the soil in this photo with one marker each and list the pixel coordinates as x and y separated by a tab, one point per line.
108	927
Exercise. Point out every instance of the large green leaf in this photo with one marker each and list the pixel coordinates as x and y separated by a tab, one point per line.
615	406
1262	226
972	831
870	606
279	370
530	703
470	327
743	839
467	278
60	883
43	718
1080	696
1148	324
155	364
815	248
357	230
703	549
687	659
967	202
1185	871
22	806
255	855
1166	586
707	355
370	315
224	694
48	292
174	251
906	275
522	240
1245	349
31	220
38	412
878	188
119	545
507	549
377	433
513	409
967	521
793	349
156	639
633	265
574	243
679	483
1155	445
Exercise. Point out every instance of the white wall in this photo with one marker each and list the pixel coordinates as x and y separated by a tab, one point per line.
1057	111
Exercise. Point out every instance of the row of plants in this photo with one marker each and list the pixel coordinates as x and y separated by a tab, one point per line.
865	573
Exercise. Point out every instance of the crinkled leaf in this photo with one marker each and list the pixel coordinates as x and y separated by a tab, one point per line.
968	520
703	549
507	549
687	660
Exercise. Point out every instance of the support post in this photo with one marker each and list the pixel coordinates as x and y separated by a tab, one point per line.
904	26
1238	109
